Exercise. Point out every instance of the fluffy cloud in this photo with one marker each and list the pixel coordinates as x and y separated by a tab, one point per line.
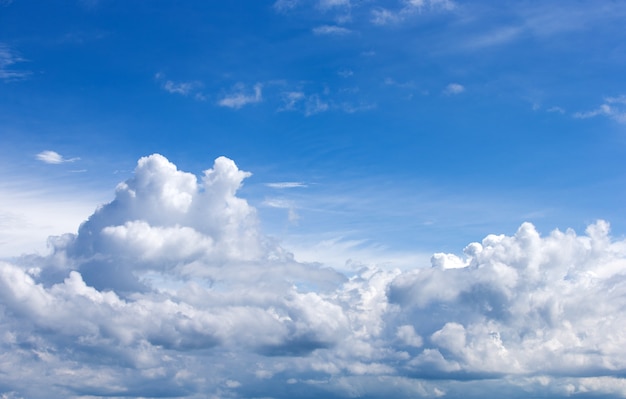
171	289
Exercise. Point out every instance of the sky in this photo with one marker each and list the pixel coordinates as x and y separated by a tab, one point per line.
312	198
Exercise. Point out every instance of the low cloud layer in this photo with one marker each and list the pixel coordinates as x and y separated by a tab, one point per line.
172	290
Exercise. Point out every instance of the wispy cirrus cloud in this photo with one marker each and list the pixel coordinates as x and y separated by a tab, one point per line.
240	97
314	105
8	58
386	16
182	88
287	184
53	157
613	108
331	30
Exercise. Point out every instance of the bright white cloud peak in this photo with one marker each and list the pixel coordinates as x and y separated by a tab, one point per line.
172	290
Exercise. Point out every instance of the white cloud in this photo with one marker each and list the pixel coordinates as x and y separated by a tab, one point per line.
290	100
182	88
314	105
345	73
286	184
326	4
385	16
331	30
556	109
613	108
8	58
53	157
285	5
172	288
454	88
240	98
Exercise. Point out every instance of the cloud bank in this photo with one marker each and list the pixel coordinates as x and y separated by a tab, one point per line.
172	290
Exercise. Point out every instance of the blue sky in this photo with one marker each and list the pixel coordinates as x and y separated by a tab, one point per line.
377	133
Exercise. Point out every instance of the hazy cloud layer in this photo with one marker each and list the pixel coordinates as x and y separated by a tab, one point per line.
172	290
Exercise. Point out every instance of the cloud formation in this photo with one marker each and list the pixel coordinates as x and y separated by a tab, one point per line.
171	289
613	107
386	16
332	30
53	157
454	88
8	58
183	88
240	98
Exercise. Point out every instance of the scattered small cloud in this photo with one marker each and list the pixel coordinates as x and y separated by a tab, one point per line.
314	105
385	16
333	30
403	85
345	73
53	157
285	5
8	58
327	4
352	108
453	89
182	88
290	100
286	184
239	97
613	108
556	109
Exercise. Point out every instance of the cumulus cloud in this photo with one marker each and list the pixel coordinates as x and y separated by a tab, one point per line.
53	157
240	98
171	289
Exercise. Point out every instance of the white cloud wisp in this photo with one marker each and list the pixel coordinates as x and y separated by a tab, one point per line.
239	98
171	289
53	157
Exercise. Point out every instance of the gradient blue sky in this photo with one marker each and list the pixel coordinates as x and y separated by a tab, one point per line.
415	127
377	133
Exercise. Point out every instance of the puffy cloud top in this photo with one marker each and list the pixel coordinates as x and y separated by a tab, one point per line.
171	290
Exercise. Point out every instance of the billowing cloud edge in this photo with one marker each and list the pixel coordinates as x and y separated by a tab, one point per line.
172	289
